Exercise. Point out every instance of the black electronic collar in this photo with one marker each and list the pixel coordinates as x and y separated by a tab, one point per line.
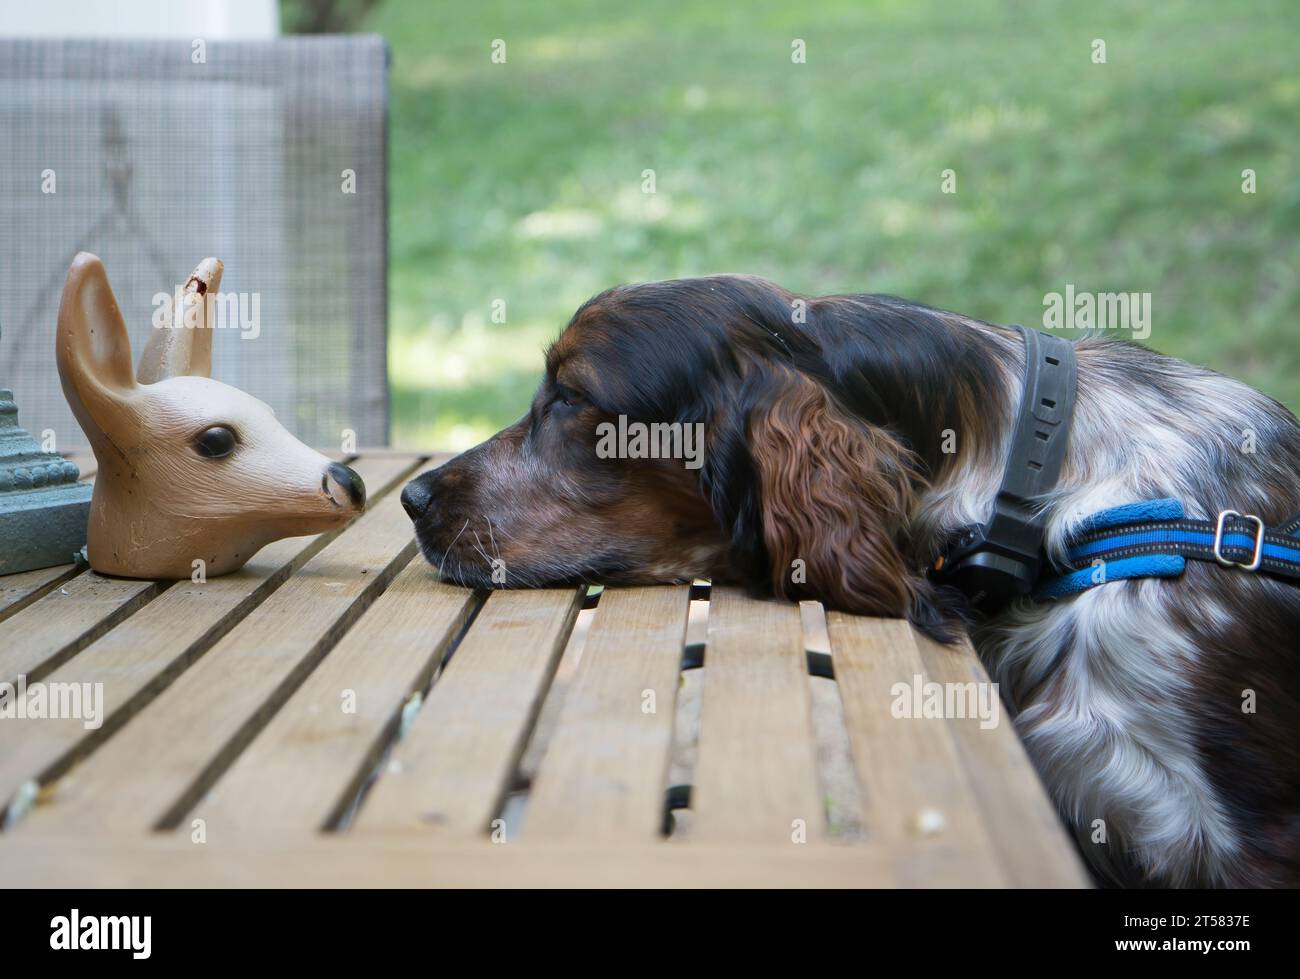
999	561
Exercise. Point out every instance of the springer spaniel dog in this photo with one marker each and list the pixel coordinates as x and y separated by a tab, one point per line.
854	435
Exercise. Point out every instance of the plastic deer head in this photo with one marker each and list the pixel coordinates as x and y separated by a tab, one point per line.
189	469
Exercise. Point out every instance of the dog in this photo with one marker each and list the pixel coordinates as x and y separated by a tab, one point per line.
849	437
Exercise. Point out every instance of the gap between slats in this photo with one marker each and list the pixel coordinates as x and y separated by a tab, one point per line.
306	767
604	771
837	804
55	628
755	775
839	808
52	627
141	656
452	769
17	591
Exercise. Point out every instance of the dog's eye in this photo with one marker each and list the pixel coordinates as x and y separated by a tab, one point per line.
216	442
570	399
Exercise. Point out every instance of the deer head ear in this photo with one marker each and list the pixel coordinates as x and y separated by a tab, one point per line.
182	342
835	494
92	349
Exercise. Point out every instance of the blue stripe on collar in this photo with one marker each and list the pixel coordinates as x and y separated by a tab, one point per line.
1155	539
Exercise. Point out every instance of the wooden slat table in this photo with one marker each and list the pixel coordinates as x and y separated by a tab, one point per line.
333	715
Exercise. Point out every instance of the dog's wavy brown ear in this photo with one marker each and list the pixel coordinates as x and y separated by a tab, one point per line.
835	495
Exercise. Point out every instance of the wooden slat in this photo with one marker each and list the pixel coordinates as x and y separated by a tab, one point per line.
1030	840
55	627
313	755
343	861
155	768
453	768
913	787
135	659
17	591
603	774
755	775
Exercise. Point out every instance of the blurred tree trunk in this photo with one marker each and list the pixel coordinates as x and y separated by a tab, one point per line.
323	16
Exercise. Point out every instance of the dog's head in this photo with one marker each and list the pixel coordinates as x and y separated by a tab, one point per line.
690	428
190	469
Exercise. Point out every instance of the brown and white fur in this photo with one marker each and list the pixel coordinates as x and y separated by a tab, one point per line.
1129	697
826	422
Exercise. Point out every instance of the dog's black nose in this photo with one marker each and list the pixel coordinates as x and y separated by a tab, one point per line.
415	498
350	482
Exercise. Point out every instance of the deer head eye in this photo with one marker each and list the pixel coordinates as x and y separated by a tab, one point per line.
216	442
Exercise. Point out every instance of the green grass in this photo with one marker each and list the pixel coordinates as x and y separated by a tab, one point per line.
522	181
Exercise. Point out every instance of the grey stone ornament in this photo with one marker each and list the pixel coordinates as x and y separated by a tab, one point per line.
44	511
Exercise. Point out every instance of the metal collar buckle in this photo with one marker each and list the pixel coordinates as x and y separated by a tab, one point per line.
1259	540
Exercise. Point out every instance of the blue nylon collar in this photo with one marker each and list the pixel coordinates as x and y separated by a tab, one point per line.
1155	539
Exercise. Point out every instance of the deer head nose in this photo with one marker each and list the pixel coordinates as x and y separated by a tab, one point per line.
416	497
348	481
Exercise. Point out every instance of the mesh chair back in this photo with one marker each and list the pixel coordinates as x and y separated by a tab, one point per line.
269	155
